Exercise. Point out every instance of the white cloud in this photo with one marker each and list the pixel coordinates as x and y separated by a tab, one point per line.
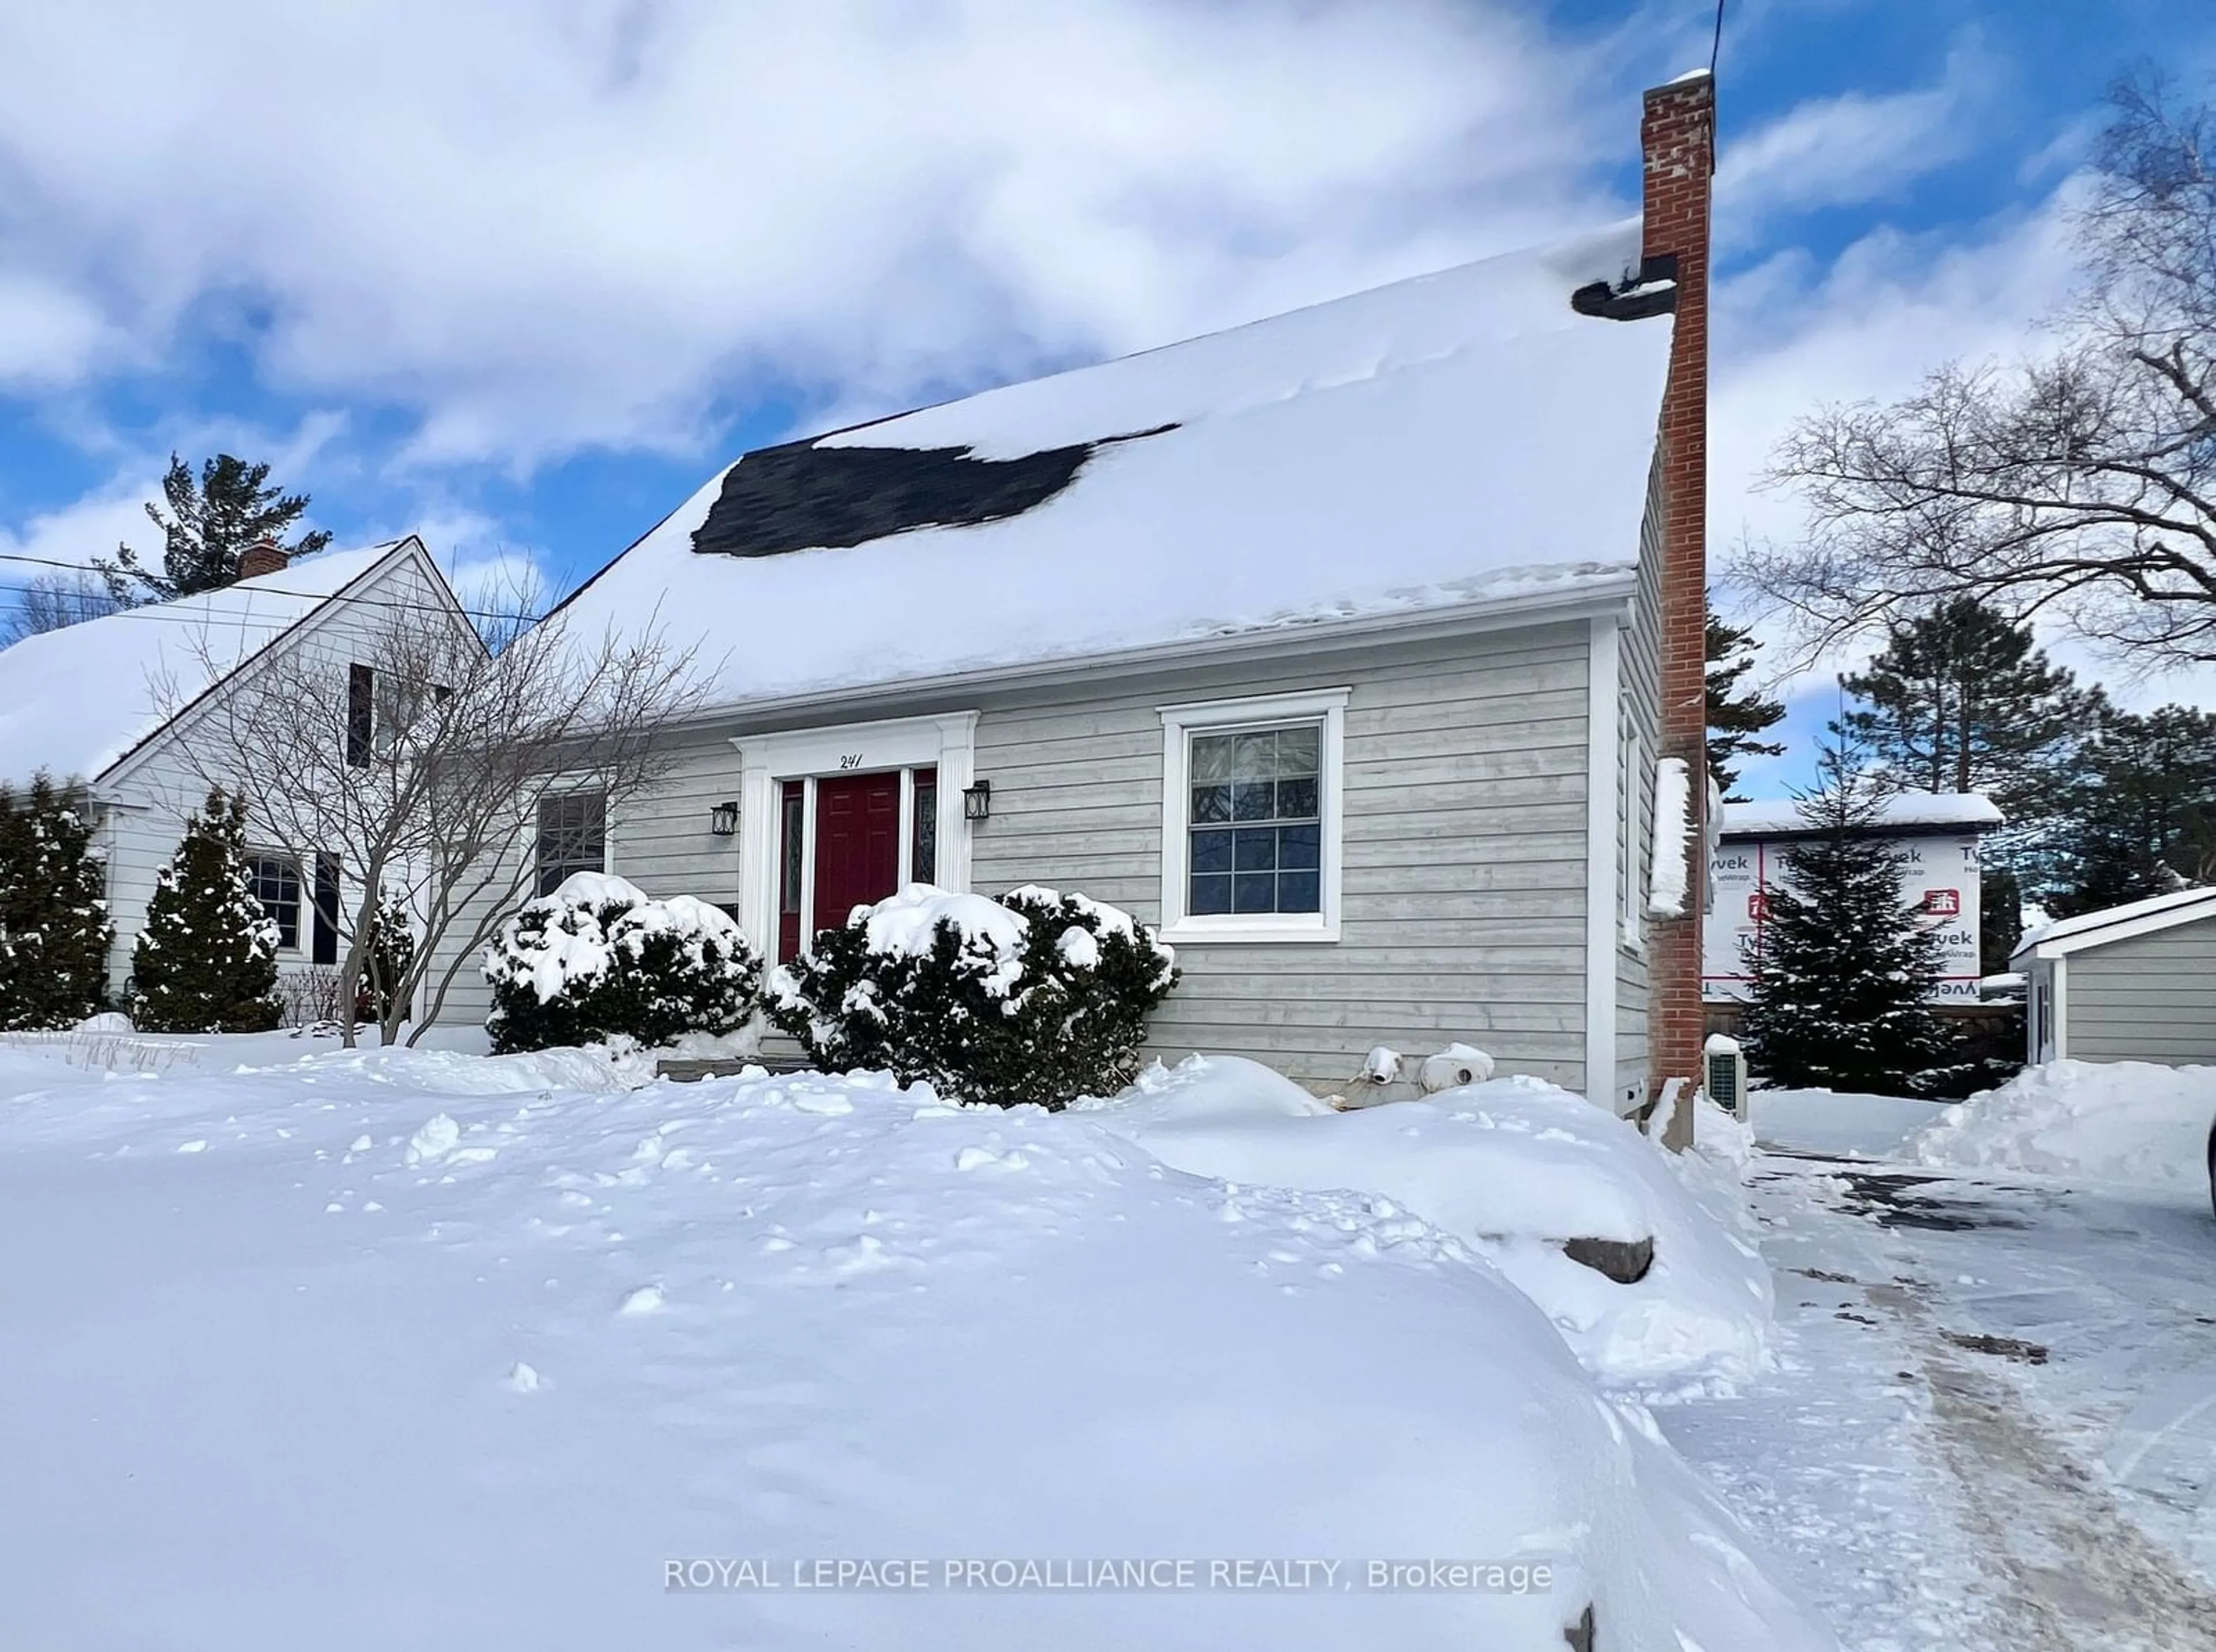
114	512
48	334
73	534
1792	336
1843	150
542	226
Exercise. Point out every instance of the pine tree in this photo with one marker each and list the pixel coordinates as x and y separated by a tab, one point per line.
206	960
2000	918
2138	814
1735	716
1842	976
54	929
384	964
1963	701
210	520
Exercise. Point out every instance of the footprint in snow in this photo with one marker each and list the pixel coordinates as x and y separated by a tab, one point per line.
645	1299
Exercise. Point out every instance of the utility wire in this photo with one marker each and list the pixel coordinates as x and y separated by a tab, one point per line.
163	611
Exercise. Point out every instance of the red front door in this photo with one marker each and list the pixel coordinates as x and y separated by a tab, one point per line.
857	843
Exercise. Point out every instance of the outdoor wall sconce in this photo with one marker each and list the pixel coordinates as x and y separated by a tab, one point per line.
977	801
724	820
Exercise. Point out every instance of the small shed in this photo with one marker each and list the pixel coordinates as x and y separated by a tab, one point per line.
2130	983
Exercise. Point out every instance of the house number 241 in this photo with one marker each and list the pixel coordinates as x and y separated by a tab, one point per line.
851	760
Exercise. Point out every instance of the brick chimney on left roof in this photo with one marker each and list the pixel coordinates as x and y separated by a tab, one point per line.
263	556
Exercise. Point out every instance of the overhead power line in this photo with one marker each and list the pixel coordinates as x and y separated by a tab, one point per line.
161	611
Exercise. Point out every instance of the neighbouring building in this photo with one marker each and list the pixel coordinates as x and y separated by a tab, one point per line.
1352	647
2129	983
115	703
1936	835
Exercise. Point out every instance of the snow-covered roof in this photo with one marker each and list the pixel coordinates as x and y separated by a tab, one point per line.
2067	935
73	702
1456	439
1780	817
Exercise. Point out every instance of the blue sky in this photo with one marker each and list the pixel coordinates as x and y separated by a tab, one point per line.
519	276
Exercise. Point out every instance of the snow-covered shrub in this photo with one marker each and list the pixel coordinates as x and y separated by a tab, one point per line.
206	960
386	962
598	958
54	929
1039	997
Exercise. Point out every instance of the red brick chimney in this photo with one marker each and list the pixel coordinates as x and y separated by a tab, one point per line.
263	556
1678	139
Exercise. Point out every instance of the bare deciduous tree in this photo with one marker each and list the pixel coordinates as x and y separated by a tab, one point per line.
54	601
2082	483
409	757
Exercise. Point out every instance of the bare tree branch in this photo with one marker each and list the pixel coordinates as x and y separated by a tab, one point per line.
54	601
2082	484
429	797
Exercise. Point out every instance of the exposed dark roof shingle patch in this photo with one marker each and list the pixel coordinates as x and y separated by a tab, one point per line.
802	496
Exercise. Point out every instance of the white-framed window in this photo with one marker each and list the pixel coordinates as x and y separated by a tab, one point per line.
1252	817
275	881
571	835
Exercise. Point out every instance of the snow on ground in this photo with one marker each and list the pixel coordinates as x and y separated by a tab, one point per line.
2123	1121
1513	1167
1839	1122
1992	1430
394	1347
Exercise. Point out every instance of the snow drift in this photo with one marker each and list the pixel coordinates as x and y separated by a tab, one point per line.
2124	1121
1513	1167
522	1350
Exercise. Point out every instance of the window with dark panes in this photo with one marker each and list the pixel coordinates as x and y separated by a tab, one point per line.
923	837
276	884
792	847
361	715
792	866
323	945
573	837
1256	821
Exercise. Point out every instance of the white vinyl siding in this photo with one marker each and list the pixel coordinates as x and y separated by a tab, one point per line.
144	800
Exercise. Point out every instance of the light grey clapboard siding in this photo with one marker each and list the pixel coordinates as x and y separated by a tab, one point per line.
1639	670
2151	998
1464	855
1464	851
659	839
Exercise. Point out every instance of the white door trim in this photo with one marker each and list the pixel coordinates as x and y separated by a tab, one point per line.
947	742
